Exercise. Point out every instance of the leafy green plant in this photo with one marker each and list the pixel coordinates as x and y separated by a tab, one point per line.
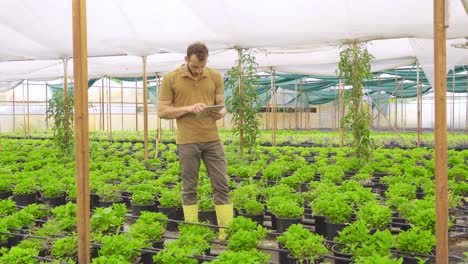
142	198
354	68
253	207
375	215
66	247
114	259
25	186
244	240
61	111
17	255
380	243
331	173
121	245
52	189
285	208
108	193
378	259
240	223
333	206
7	207
65	216
109	218
6	182
171	198
250	256
416	240
244	102
303	244
353	237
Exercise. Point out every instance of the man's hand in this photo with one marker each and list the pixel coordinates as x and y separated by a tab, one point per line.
217	115
197	108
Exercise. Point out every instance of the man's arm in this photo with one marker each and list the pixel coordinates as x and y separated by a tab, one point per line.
219	100
169	112
166	110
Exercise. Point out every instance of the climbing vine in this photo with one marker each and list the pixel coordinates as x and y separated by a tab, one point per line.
62	128
244	103
354	68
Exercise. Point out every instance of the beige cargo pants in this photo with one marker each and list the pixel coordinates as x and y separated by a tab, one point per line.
212	154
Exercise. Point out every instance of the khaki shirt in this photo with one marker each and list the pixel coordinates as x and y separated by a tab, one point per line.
178	89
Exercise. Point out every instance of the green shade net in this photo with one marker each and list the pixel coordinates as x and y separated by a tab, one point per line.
56	87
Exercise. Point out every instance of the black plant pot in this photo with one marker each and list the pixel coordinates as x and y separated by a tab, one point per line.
5	194
93	200
282	224
283	255
147	257
256	218
210	217
126	198
333	229
174	214
320	227
345	258
413	260
25	199
54	201
307	211
274	224
137	209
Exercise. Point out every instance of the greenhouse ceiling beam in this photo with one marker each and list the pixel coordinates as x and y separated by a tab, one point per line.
80	70
440	100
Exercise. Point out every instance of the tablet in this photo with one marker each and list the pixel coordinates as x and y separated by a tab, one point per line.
207	109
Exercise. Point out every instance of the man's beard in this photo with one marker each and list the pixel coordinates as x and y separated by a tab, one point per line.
194	74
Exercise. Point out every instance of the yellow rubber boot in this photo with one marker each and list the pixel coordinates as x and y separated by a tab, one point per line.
190	213
224	215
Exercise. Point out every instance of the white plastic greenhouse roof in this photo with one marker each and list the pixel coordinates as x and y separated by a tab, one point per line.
295	36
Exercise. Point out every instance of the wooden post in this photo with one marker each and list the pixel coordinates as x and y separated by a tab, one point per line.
295	102
65	96
284	109
145	107
453	100
401	108
241	129
342	112
136	105
14	111
466	107
24	111
46	105
440	93
378	104
158	120
319	116
101	103
396	99
301	109
121	105
0	135
109	108
27	106
80	70
418	102
275	106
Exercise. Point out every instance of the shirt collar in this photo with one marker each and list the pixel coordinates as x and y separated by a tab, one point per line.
185	73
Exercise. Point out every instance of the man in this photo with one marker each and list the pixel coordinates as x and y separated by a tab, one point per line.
185	92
